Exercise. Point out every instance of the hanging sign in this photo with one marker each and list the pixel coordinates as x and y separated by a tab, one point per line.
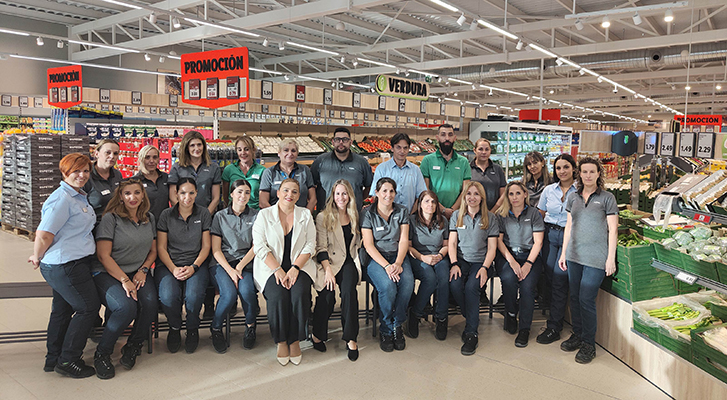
136	98
38	102
423	106
7	100
104	95
700	119
356	100
217	78
650	139
300	93
667	142
23	101
266	92
173	100
705	145
402	105
65	86
328	97
382	103
686	144
394	86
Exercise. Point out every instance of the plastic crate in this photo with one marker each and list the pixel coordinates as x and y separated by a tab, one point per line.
657	235
651	332
671	257
707	365
719	311
709	355
721	272
681	347
702	268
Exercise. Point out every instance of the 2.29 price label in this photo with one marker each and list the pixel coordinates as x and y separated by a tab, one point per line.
705	145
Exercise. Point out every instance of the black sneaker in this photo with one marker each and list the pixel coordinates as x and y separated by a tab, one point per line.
248	341
548	336
441	331
399	340
412	324
192	341
510	323
218	341
129	353
470	344
174	340
50	365
75	369
572	344
586	354
104	366
522	338
386	342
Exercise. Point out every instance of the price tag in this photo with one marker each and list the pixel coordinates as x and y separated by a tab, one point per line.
38	102
402	105
116	108
650	143
129	109
201	113
422	106
104	95
173	100
328	97
185	112
7	100
705	145
686	278
23	101
141	110
136	98
686	144
104	107
267	90
357	100
667	144
702	218
299	111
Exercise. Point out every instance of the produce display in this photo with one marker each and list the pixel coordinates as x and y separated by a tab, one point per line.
631	240
716	338
426	147
270	144
674	312
699	243
685	329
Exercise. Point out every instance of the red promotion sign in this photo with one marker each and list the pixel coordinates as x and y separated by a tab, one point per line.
217	78
552	114
700	119
300	93
65	86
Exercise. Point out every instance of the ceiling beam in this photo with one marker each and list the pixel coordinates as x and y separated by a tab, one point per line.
131	15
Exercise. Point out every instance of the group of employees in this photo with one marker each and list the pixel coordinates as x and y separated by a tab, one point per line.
155	240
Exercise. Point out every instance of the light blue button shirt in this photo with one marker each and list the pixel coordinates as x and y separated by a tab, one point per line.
409	181
552	205
67	215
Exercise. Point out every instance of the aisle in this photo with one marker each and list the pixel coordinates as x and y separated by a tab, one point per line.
427	369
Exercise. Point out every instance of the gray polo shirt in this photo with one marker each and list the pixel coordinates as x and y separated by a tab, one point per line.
327	169
471	239
518	231
158	192
274	176
235	231
206	176
386	232
184	238
101	190
492	179
131	241
427	240
589	230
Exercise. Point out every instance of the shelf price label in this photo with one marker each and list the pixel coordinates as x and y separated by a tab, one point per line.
703	218
686	278
650	143
686	144
668	140
104	95
705	145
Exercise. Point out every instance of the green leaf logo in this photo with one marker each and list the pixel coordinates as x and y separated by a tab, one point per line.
381	83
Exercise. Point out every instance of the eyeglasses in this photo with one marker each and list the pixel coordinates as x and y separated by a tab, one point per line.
341	140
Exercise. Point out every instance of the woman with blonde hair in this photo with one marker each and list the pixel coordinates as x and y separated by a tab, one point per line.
284	169
244	168
195	162
473	233
519	264
337	243
126	250
155	181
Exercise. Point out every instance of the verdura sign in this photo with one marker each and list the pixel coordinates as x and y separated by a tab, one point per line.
405	88
217	78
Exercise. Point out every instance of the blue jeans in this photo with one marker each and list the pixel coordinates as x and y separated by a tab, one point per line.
558	278
466	291
172	291
74	310
584	284
124	309
431	278
527	287
228	294
393	296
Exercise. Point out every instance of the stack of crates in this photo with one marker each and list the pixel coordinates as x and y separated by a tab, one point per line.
8	182
706	357
36	176
75	144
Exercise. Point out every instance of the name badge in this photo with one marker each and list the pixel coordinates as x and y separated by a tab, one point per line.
456	168
105	192
198	222
145	185
255	176
84	209
277	182
461	227
379	228
436	167
352	168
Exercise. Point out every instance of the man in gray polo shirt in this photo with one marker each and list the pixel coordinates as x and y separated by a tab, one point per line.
341	163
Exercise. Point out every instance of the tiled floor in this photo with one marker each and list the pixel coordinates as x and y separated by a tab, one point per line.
426	369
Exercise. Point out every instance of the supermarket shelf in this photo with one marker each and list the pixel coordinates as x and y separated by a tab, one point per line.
688	277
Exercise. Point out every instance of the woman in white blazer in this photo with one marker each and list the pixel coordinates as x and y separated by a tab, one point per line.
284	239
338	241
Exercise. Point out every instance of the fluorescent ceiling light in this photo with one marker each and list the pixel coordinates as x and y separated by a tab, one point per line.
3	30
366	60
121	3
266	71
421	72
542	50
303	46
313	79
459	81
497	29
103	46
201	22
455	100
445	5
140	71
358	85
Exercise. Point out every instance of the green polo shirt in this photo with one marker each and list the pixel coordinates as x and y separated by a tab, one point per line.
232	173
446	177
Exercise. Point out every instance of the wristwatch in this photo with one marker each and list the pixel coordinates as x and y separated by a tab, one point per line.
296	267
144	270
196	267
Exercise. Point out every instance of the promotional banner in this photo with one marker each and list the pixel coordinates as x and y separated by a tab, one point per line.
700	119
394	86
215	79
532	115
65	86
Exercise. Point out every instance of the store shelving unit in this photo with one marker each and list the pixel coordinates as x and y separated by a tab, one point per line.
688	277
511	141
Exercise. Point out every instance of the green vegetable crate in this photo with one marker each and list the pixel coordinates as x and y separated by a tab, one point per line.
707	357
719	311
658	233
721	272
652	332
680	346
701	268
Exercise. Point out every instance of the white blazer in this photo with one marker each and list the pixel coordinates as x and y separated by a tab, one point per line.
268	237
334	243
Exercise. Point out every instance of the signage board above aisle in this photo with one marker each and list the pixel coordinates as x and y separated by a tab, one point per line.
394	86
65	86
709	123
551	114
217	78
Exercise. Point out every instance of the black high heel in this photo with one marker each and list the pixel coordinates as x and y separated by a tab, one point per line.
352	354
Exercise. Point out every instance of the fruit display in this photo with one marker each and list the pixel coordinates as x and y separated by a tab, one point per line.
271	145
464	145
367	147
426	147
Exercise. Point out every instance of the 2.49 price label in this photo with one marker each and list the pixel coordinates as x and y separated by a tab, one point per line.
667	144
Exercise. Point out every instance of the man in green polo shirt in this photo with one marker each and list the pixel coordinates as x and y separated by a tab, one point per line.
445	171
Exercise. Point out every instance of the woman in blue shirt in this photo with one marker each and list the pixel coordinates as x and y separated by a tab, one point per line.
552	208
64	250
